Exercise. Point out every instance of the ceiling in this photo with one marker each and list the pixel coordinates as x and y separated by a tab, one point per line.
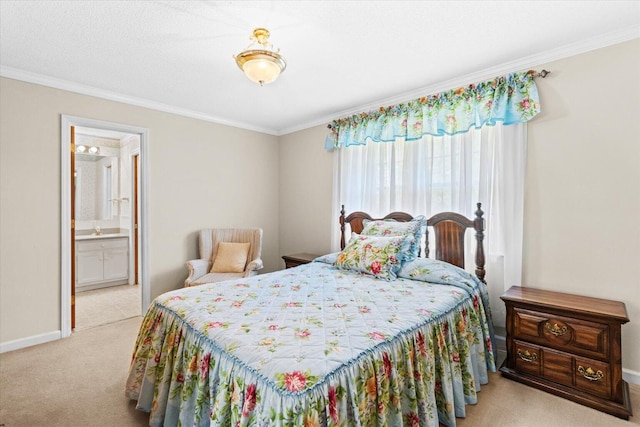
343	57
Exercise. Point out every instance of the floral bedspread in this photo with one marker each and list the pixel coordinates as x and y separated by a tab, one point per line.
315	346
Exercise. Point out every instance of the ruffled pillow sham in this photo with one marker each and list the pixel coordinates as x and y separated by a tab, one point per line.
395	228
379	256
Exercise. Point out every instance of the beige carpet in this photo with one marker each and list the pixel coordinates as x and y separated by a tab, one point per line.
76	381
79	381
107	305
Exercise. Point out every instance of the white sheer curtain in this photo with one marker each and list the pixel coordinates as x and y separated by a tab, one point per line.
448	173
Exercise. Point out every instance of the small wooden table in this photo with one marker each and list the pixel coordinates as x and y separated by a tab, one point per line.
298	259
568	345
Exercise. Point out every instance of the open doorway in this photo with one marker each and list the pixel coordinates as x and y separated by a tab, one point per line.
104	197
103	218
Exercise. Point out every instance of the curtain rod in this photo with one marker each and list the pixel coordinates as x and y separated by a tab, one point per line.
542	74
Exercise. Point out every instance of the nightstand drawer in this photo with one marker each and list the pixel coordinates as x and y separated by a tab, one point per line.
593	377
588	375
528	358
563	333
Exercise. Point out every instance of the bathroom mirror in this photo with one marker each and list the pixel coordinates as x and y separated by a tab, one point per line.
96	187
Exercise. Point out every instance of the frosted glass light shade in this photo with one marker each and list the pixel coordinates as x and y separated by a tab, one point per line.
262	65
261	71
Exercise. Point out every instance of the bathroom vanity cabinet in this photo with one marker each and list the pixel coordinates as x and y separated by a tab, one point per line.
101	262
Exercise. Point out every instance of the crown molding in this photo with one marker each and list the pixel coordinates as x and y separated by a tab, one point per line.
40	79
609	39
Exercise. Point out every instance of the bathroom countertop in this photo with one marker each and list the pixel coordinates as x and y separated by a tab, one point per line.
101	236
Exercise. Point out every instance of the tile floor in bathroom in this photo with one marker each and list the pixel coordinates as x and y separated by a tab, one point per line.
107	305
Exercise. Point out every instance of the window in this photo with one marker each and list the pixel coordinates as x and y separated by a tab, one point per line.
448	173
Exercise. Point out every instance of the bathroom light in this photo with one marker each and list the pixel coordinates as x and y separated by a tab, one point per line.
88	150
261	64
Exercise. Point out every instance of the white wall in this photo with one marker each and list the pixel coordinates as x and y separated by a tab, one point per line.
200	175
582	201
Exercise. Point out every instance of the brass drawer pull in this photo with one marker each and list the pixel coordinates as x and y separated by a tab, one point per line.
555	329
590	374
526	356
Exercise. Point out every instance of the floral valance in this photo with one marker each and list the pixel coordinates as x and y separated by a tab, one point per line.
508	99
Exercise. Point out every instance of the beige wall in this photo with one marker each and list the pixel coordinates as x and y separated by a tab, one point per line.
306	174
582	201
200	175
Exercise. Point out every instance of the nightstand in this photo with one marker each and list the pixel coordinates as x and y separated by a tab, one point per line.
567	345
298	259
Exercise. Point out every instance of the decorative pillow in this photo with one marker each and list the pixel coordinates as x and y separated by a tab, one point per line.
381	257
396	228
231	257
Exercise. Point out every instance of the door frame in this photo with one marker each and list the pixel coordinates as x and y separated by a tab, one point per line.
134	242
67	122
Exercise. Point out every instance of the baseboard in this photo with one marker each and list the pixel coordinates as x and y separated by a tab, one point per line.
632	377
501	342
29	341
501	346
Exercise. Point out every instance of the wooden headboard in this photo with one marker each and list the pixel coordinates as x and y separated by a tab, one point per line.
449	228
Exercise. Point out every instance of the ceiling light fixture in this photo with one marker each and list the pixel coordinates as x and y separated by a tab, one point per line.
260	62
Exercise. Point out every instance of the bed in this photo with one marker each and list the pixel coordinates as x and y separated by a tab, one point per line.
376	334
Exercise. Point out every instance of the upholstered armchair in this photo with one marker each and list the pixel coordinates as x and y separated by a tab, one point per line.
222	255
